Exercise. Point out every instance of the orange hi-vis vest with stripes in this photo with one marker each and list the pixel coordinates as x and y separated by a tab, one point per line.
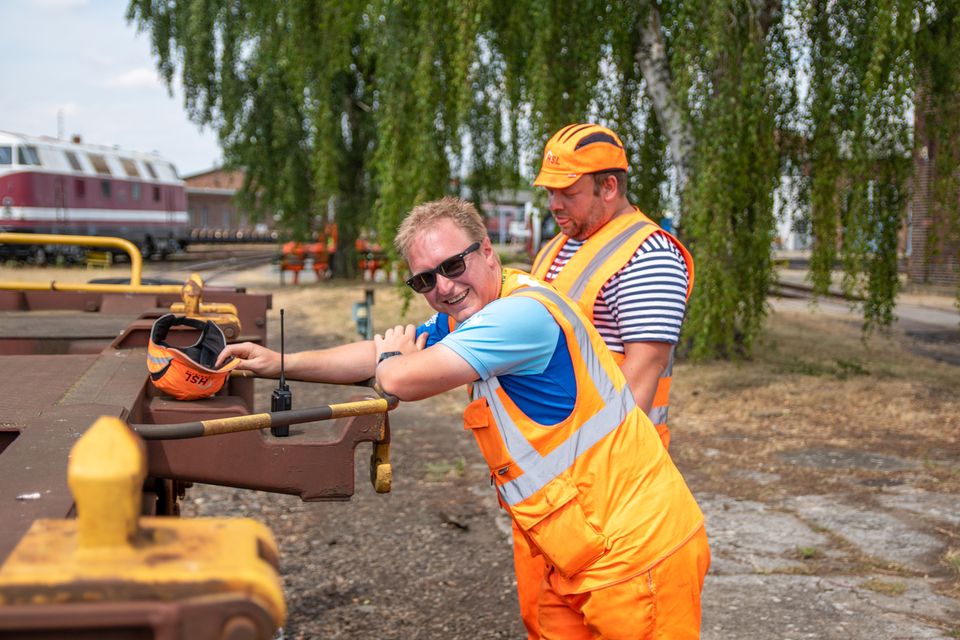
600	257
597	494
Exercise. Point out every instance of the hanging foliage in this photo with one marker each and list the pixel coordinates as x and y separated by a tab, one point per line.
938	28
861	137
369	107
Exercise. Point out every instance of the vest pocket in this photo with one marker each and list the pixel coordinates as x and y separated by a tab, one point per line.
555	522
477	419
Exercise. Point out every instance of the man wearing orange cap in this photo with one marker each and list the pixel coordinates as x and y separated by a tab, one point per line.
630	278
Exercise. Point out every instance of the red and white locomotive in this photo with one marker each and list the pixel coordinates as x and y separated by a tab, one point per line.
65	187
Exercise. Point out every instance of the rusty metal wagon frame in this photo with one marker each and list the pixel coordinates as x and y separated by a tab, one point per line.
71	354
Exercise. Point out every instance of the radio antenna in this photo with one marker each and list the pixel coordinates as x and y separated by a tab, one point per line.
283	381
282	398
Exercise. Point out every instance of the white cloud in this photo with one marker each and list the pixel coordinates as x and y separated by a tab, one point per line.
103	87
135	78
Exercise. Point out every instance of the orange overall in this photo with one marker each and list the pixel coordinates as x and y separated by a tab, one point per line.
596	495
604	254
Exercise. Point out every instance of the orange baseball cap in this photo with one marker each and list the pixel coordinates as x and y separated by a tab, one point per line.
579	149
187	373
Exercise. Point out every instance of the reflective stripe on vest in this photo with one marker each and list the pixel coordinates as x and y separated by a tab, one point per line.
539	470
544	252
576	289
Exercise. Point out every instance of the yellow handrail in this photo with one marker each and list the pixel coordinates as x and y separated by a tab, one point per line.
136	264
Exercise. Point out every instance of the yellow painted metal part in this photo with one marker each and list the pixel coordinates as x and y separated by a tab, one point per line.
250	422
109	554
224	314
53	285
106	472
205	308
136	260
192	294
381	471
359	408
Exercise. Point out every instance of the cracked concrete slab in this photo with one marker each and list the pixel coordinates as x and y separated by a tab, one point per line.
937	507
791	607
751	537
837	458
876	534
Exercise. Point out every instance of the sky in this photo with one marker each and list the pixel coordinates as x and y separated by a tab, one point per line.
82	60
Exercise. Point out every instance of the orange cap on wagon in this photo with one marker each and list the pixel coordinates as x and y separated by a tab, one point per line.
579	149
187	373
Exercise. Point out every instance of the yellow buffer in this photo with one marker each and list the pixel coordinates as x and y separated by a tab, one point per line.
109	553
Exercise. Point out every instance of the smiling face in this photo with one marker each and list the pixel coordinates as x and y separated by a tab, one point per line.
579	211
464	295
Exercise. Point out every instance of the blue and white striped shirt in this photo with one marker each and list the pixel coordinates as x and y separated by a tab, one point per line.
643	302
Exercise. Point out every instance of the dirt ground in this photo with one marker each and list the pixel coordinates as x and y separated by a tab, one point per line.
828	469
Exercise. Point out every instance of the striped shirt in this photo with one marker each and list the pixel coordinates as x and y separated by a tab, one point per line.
643	302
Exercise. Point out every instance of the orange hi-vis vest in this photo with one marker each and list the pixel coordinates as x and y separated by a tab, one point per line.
599	258
597	494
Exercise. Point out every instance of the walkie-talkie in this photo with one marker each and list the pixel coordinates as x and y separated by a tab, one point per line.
282	398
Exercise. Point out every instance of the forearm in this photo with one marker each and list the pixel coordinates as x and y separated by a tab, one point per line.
643	364
344	364
422	374
644	388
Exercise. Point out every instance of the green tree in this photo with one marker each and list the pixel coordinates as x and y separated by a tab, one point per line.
380	104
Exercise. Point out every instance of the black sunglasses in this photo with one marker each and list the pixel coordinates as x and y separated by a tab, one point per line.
450	268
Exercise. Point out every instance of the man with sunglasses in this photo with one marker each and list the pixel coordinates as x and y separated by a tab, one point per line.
575	462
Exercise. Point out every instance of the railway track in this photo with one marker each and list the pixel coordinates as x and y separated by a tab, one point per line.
210	264
212	267
931	331
804	291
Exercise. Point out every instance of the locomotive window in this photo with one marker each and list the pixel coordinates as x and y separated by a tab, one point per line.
150	170
156	194
74	162
27	155
135	190
167	170
105	188
99	163
6	155
130	167
80	187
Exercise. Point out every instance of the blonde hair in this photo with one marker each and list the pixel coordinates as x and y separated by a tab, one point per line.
460	211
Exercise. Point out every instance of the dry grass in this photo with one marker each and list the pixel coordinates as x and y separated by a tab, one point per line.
884	587
814	382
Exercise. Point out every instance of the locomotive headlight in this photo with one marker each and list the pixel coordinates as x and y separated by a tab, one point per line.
7	203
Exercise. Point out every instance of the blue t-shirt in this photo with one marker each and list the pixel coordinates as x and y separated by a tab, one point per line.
518	341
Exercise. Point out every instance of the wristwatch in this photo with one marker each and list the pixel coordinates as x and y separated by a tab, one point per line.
388	354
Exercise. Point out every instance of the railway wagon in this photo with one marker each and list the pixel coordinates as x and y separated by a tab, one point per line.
94	459
54	186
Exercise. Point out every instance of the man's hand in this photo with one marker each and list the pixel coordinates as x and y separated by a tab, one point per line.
400	338
253	357
419	372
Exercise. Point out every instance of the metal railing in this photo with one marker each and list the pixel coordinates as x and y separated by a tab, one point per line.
136	265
